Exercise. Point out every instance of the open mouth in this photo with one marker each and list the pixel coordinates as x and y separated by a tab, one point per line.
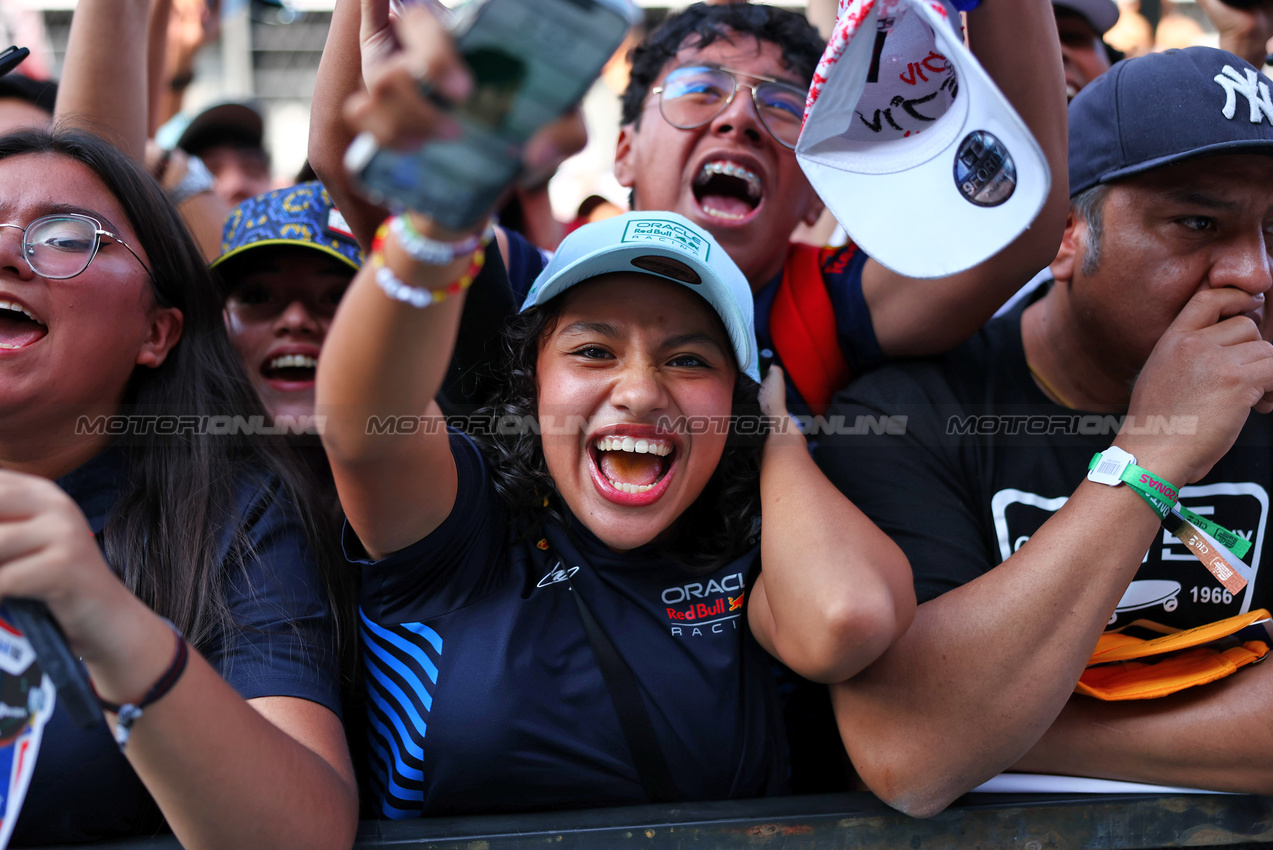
18	328
633	465
726	190
290	368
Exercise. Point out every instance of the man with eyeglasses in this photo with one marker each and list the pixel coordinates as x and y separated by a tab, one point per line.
710	119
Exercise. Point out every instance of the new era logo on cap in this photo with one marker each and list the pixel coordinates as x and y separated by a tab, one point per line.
668	234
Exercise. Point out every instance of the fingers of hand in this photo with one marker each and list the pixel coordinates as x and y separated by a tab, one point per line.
22	538
1255	362
25	496
773	393
375	17
396	112
37	515
1264	405
1210	306
45	557
431	54
1253	352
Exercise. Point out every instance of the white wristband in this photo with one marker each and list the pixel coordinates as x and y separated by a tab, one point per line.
433	252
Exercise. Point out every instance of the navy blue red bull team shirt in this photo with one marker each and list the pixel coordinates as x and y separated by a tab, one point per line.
485	694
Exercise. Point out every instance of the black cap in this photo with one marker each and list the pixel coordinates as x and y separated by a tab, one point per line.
1163	108
237	123
40	93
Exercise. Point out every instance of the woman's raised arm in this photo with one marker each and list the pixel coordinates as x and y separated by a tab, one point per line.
384	358
834	592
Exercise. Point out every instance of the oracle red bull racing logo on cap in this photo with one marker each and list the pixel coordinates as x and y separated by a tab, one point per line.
668	234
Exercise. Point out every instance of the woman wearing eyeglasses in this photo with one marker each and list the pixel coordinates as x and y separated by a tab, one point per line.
128	495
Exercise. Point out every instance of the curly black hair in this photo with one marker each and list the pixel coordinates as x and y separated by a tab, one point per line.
721	524
801	44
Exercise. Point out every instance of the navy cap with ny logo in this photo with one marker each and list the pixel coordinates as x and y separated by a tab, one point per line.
1163	108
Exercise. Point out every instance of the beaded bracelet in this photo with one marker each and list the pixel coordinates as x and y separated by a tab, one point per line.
417	296
128	713
433	252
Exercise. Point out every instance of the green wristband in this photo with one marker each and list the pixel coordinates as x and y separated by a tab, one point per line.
1234	543
1121	467
1115	465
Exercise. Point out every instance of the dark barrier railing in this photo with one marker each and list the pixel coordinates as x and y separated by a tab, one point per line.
846	822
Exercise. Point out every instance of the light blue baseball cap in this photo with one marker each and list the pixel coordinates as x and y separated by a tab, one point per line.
667	246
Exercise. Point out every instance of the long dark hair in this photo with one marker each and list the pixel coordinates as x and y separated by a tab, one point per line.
167	534
720	525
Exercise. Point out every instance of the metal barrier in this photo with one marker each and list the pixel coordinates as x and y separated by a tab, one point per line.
845	822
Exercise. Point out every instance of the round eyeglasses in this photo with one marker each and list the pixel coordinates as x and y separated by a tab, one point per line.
57	247
694	95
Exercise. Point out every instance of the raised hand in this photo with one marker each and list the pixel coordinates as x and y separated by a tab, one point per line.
1243	30
1208	371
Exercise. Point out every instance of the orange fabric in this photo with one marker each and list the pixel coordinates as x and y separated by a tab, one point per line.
802	324
1114	646
1176	661
1150	680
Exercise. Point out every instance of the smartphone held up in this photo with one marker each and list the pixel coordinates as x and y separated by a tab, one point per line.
532	61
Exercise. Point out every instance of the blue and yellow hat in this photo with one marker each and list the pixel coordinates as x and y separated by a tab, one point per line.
301	215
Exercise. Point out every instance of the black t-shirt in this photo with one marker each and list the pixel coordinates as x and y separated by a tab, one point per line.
83	788
983	458
484	692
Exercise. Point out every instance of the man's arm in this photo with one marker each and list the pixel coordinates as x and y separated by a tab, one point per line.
1017	44
1217	736
986	668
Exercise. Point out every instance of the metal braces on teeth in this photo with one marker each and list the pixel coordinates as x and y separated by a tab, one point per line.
729	169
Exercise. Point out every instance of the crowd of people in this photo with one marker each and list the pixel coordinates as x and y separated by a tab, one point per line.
464	526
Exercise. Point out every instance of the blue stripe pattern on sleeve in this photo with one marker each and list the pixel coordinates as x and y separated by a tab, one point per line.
402	673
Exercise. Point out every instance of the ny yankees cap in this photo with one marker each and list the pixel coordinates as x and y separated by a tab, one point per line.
911	145
1163	108
665	245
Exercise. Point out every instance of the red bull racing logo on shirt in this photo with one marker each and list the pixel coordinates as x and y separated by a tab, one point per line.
702	608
